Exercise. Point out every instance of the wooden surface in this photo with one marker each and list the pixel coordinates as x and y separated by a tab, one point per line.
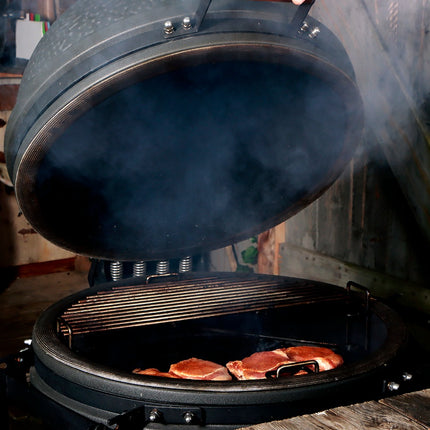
405	412
414	405
23	301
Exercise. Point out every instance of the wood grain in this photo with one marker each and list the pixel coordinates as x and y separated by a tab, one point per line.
405	412
8	94
23	301
415	405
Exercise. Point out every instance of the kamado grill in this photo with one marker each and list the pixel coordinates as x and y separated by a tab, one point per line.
149	131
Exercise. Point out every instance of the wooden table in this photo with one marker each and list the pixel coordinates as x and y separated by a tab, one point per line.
409	411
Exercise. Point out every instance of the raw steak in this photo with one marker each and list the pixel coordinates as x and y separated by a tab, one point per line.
154	372
195	368
258	364
326	358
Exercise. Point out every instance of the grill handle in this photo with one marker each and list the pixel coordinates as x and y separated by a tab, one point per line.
293	368
361	288
165	277
61	322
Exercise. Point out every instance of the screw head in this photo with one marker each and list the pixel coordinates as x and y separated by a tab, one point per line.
186	22
314	32
304	27
393	386
168	27
188	417
154	415
407	376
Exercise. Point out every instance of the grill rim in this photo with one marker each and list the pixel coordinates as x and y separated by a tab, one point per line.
53	354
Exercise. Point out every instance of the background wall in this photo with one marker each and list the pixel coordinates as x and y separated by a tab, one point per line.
19	243
373	224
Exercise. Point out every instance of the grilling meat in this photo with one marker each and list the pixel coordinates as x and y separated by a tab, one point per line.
255	366
154	372
326	358
258	364
195	368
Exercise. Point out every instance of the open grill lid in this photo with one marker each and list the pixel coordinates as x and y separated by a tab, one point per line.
132	140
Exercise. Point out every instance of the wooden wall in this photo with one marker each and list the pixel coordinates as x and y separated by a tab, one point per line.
373	225
388	42
361	229
19	243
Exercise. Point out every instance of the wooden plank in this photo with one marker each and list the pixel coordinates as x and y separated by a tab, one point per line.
299	262
8	94
266	251
37	269
5	74
367	415
22	302
231	259
391	89
414	405
46	267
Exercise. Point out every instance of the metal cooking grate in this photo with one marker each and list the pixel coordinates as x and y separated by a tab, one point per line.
184	299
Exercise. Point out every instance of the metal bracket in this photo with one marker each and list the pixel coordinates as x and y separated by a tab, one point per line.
299	18
191	24
139	418
201	13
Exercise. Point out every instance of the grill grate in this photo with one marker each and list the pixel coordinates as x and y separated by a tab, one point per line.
185	299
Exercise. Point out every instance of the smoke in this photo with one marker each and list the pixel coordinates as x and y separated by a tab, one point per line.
388	44
191	158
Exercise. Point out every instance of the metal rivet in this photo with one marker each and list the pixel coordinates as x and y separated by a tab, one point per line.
407	376
304	27
188	417
393	386
168	27
154	415
186	23
314	32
